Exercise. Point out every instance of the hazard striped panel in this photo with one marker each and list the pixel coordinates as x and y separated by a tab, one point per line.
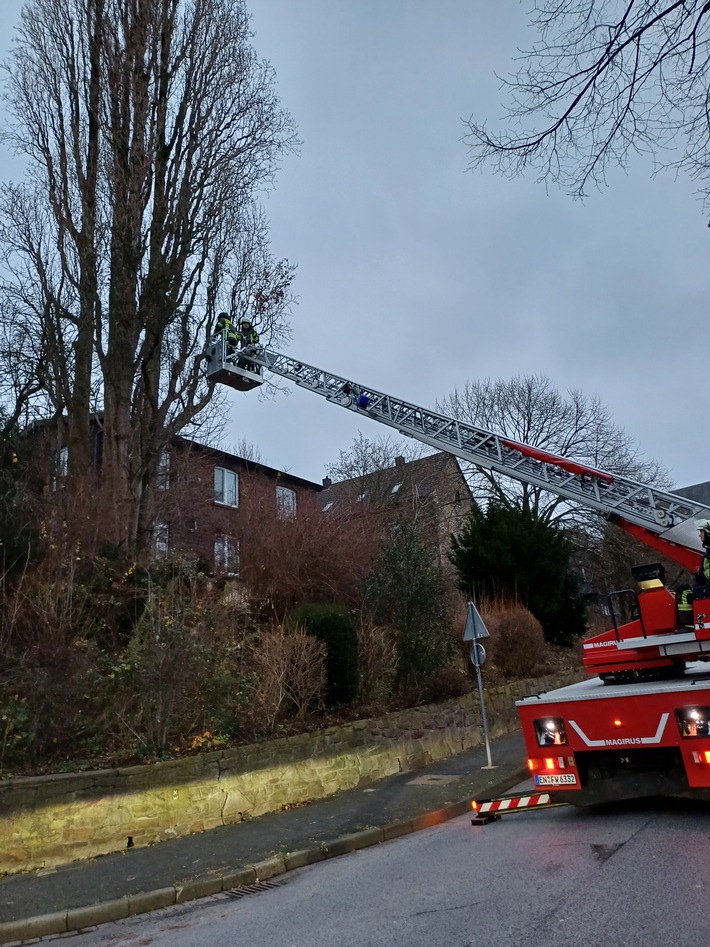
513	803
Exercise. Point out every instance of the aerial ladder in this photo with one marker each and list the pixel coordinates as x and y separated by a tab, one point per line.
650	645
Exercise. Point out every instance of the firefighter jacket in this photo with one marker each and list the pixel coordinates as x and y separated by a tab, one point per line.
249	337
224	323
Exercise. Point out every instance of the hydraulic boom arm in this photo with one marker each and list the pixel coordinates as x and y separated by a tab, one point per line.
661	519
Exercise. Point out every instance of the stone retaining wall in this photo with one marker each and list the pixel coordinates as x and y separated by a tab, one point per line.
51	820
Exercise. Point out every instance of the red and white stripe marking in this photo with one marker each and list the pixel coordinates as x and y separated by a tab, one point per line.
514	802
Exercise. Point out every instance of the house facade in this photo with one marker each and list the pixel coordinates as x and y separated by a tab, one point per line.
431	490
210	503
207	500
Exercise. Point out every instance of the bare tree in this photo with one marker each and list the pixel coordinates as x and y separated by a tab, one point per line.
247	450
606	79
290	669
366	464
149	130
529	409
309	557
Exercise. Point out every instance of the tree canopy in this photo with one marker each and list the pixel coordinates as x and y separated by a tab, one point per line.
367	455
531	410
514	555
606	79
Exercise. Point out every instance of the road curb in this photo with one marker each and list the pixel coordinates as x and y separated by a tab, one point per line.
16	933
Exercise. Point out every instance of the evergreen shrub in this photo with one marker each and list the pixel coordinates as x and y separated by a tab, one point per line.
333	625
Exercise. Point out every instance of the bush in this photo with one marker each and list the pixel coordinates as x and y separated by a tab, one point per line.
290	669
447	684
166	673
517	640
406	590
98	662
333	625
50	675
378	661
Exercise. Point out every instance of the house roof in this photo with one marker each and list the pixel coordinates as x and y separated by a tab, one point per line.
385	487
234	461
700	492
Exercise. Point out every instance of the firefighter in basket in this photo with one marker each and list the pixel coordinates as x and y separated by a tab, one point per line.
226	326
248	334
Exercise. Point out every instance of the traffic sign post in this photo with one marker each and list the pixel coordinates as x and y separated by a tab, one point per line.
478	654
475	630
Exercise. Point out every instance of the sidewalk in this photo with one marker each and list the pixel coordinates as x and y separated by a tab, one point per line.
83	894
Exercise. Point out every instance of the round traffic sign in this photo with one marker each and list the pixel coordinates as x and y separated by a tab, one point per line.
478	654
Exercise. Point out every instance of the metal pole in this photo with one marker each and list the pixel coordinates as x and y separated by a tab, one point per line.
483	717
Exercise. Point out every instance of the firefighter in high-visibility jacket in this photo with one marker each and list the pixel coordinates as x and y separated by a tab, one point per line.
703	573
248	333
684	594
225	324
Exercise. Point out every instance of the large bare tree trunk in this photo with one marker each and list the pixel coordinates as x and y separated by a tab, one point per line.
150	128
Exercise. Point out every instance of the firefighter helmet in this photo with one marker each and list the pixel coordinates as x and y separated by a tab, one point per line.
704	526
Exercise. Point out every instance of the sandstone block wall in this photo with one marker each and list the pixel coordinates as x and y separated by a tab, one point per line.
50	820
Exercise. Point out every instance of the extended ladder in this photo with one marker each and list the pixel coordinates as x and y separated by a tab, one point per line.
656	513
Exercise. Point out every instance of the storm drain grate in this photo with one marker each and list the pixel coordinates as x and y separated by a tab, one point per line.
247	890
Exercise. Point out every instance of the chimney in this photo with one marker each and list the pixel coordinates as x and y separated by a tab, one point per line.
327	482
399	462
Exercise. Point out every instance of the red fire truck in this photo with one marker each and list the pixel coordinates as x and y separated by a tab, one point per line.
593	742
640	725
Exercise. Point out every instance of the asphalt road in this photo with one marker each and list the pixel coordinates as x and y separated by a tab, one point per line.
636	875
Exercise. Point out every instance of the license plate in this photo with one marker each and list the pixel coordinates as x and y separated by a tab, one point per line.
557	779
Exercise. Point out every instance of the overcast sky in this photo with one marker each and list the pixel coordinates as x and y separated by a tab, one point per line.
415	276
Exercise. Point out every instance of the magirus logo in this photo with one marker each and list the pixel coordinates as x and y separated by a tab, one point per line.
623	741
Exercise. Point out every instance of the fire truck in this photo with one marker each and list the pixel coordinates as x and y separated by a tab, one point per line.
639	725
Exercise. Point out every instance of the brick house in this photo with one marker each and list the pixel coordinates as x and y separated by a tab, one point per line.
202	498
205	496
207	499
431	489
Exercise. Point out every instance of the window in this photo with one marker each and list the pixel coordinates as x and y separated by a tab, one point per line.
693	721
226	554
163	478
285	503
61	467
161	539
226	486
551	731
